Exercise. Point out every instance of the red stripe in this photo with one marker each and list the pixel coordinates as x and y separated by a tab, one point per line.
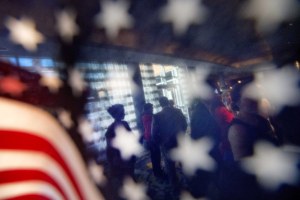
30	197
17	140
10	176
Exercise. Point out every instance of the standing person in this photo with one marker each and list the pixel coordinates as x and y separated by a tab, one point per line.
117	165
147	117
155	154
203	125
223	117
248	125
167	124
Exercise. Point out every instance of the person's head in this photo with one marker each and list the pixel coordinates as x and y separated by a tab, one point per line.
163	101
117	111
148	108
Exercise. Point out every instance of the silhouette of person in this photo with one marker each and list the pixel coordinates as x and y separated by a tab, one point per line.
223	117
248	125
147	117
203	124
155	154
117	165
167	124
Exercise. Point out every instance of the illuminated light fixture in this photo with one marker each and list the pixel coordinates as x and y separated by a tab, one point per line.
230	87
239	81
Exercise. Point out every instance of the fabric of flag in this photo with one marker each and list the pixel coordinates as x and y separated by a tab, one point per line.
38	157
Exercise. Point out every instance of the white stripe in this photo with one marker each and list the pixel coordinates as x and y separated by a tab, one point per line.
13	160
24	117
12	190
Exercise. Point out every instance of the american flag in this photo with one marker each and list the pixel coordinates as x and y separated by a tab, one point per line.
39	159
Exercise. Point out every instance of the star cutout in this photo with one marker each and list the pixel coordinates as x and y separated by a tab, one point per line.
66	25
193	154
113	17
270	13
65	118
278	86
183	13
127	142
133	191
52	82
23	32
12	85
76	82
197	85
85	129
97	173
187	196
272	166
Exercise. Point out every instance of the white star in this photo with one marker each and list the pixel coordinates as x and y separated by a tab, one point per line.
65	118
193	154
127	142
272	165
76	82
270	13
133	191
197	85
86	130
278	86
187	196
97	173
113	17
183	13
52	82
66	25
23	32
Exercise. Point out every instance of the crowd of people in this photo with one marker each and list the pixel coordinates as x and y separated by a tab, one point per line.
234	129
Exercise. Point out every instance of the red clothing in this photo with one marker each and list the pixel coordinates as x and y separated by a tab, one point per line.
223	117
147	122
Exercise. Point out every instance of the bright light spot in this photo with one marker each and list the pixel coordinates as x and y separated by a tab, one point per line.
23	32
197	85
66	25
183	13
193	154
269	14
127	142
272	166
113	17
76	82
278	86
133	191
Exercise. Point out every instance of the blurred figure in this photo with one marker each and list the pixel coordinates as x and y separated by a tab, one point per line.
248	126
223	117
203	124
167	124
117	165
155	154
147	117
